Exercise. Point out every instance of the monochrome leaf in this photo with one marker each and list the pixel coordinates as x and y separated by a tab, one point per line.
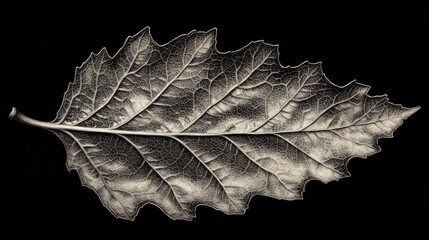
181	124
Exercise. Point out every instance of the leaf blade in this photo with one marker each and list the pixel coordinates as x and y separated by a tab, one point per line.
181	125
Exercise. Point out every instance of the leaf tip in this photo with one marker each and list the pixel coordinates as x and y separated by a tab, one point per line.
212	32
410	111
144	30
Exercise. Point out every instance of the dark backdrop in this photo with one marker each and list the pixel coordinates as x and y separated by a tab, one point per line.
382	45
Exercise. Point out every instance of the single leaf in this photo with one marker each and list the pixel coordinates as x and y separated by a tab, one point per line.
181	124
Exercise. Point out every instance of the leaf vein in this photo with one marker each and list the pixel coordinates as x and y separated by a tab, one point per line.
176	199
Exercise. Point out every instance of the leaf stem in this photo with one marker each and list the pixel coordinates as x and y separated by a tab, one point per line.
19	117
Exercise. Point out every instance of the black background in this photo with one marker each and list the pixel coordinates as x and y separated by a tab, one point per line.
383	45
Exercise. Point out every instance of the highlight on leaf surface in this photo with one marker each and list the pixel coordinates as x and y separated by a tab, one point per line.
181	124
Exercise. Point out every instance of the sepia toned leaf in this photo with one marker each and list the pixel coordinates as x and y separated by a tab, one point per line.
181	124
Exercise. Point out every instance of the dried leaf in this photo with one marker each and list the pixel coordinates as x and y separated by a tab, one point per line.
181	124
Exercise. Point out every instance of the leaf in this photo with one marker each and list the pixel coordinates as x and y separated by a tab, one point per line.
181	124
